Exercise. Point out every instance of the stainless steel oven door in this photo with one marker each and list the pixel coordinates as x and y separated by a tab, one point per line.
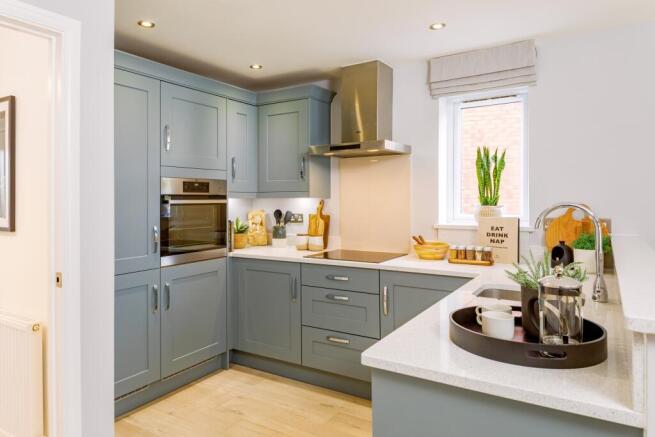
193	228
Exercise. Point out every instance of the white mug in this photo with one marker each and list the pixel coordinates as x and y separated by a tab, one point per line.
497	324
493	307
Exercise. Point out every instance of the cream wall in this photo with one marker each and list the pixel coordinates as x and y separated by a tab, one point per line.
24	254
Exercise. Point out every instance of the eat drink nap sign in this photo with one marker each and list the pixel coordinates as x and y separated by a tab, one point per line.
502	234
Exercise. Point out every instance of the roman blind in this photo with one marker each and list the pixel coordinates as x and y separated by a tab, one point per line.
484	69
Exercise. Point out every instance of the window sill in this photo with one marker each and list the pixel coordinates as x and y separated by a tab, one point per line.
471	227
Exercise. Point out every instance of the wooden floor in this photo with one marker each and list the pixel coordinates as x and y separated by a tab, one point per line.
246	402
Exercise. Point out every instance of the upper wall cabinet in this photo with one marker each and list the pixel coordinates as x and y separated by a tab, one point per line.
286	130
193	127
241	147
136	172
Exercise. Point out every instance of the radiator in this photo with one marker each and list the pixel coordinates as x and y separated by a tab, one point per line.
21	377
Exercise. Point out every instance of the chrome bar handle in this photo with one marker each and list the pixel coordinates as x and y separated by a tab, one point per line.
337	278
337	297
302	167
155	238
168	296
155	293
294	290
385	301
234	167
334	339
167	138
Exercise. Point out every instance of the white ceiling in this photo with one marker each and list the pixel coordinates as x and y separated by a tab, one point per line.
305	40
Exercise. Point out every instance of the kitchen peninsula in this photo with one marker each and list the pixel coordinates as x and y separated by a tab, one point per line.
421	381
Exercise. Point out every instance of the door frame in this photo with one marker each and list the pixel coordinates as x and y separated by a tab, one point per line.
63	346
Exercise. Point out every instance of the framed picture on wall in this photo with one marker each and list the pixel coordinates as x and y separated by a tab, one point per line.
7	163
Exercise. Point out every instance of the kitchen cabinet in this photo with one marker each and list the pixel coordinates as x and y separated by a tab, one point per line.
137	306
286	129
268	294
193	314
405	295
241	147
193	125
136	172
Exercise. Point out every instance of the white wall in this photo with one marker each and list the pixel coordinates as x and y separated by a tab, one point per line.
590	122
97	209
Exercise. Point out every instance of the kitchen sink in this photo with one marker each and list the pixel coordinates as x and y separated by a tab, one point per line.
499	293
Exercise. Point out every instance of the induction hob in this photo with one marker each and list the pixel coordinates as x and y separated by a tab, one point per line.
356	255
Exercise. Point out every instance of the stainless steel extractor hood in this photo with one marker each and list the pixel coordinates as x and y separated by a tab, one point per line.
366	95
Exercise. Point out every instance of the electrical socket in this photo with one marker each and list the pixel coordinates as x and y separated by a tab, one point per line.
296	218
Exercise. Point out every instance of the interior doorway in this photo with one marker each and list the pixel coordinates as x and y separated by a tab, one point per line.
41	67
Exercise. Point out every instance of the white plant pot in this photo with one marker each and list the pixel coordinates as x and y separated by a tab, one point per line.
587	258
487	211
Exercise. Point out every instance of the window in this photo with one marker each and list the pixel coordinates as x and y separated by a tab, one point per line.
496	120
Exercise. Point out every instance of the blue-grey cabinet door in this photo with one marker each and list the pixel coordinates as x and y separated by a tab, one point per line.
283	144
269	308
193	127
137	304
136	172
194	319
241	147
404	295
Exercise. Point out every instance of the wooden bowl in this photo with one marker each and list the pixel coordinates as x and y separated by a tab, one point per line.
432	250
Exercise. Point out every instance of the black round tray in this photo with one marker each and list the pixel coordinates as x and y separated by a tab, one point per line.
526	351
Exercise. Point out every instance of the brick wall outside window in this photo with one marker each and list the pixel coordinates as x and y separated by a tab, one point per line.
496	126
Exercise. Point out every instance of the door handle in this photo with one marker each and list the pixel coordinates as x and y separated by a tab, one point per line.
155	238
294	290
155	294
385	301
337	278
234	167
337	297
302	167
339	340
168	296
167	138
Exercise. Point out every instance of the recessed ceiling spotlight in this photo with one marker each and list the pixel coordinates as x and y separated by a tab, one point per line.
256	66
437	26
146	23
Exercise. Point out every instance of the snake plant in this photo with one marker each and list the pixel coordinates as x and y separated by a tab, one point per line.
535	270
489	169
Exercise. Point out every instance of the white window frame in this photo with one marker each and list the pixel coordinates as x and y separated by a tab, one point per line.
449	153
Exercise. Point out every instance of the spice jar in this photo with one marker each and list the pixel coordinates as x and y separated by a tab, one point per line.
478	253
470	253
487	254
461	252
452	252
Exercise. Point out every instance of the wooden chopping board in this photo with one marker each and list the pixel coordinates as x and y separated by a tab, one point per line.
319	223
563	228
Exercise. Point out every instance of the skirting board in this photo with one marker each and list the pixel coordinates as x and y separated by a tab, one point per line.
343	384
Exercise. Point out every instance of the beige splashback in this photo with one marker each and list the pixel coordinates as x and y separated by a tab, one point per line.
375	203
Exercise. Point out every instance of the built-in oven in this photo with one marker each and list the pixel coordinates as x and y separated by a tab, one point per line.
193	220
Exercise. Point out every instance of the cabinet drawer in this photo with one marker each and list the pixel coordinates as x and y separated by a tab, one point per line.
343	311
335	352
341	278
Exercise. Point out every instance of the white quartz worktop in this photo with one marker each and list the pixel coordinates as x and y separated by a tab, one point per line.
422	348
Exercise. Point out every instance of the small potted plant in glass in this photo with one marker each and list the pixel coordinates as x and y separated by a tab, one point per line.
489	169
584	250
240	236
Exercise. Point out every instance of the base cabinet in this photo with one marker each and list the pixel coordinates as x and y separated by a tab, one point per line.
404	295
268	295
136	331
193	317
